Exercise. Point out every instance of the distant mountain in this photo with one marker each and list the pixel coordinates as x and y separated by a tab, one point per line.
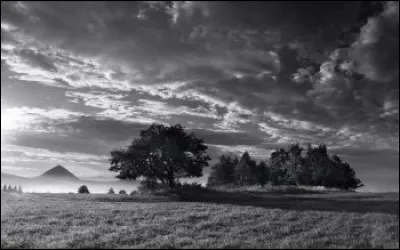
61	180
59	172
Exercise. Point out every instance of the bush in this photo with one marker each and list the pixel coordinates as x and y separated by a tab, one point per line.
111	191
83	190
122	192
134	192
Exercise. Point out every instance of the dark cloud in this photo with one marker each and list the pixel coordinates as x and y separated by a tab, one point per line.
226	138
378	43
36	59
84	135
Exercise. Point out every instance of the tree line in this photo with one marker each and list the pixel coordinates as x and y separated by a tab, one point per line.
14	189
165	154
314	167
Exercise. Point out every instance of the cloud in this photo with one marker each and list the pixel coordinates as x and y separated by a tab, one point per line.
226	138
373	52
25	118
244	75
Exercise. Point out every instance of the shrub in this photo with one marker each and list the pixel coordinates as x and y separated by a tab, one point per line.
133	192
83	190
122	192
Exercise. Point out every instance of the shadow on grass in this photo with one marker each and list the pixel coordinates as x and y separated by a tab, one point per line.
354	203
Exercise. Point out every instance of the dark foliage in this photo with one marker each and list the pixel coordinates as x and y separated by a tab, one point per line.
11	189
83	190
287	167
223	172
111	191
163	153
149	185
122	192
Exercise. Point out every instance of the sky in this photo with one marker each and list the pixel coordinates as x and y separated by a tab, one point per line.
79	79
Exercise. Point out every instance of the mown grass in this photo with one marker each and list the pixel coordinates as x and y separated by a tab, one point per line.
147	221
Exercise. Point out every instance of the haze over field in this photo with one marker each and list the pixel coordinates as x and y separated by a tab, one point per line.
79	79
60	180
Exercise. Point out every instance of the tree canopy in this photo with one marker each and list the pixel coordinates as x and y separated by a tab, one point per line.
166	153
288	167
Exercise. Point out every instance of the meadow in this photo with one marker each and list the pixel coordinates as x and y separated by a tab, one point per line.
209	219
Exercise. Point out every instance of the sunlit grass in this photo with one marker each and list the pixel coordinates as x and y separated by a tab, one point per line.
99	221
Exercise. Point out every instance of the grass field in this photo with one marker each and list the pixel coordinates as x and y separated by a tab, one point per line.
213	219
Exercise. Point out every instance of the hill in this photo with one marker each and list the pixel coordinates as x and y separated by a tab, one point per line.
60	173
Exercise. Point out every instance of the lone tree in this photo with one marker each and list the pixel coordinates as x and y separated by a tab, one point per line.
83	190
166	153
111	191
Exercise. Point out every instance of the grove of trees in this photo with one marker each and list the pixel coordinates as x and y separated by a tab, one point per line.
162	155
287	167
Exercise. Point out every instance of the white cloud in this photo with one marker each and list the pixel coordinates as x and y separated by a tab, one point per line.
25	118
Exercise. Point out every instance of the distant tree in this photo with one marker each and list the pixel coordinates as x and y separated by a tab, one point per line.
262	173
83	190
329	171
20	189
133	192
15	189
9	189
279	161
111	191
166	153
294	163
245	171
122	192
223	172
279	158
4	188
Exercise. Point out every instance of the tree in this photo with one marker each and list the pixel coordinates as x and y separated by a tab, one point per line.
223	172
245	171
20	189
4	188
148	184
83	190
262	173
294	163
166	153
329	171
279	162
9	189
111	191
122	192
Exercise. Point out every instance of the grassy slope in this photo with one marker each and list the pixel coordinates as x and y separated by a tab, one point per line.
83	221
